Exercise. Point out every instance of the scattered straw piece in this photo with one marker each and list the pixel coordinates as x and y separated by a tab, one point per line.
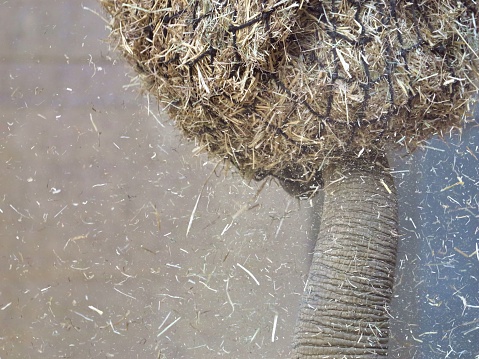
459	182
385	186
248	272
229	298
168	326
275	323
95	309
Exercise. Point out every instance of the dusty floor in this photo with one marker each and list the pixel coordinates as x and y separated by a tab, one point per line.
117	242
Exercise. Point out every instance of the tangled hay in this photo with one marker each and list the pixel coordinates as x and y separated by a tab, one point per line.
281	87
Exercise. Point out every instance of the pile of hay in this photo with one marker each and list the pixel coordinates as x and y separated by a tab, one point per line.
281	87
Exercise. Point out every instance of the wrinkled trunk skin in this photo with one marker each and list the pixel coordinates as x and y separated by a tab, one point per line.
344	310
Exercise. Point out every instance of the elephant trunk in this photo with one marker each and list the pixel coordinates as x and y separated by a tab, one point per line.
344	311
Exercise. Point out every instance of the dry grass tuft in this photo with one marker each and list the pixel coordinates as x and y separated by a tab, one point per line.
282	87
